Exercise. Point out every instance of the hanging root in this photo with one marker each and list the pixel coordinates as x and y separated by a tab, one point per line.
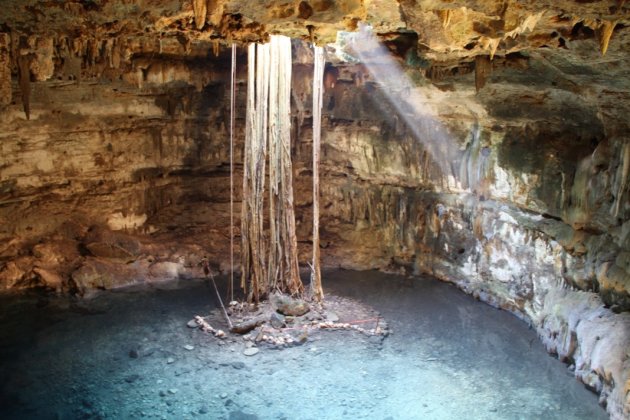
318	83
232	96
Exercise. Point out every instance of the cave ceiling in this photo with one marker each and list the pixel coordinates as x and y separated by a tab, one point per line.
443	30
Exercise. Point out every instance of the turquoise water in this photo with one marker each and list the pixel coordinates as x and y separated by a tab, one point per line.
122	355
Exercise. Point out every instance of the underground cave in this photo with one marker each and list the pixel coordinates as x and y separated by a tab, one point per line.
362	209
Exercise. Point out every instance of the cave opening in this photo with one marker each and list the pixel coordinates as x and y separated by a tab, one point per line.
180	183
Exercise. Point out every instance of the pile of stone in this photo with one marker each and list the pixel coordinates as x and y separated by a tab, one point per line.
283	321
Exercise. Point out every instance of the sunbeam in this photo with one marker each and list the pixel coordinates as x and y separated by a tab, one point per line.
409	101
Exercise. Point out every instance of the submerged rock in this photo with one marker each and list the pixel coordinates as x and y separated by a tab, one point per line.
277	320
289	306
240	415
331	316
251	351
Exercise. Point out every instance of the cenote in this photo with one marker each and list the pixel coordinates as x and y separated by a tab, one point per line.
123	355
313	209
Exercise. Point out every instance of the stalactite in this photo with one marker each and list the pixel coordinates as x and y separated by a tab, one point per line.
311	33
483	68
109	45
605	33
624	176
24	72
445	17
112	53
5	70
358	79
200	10
215	11
528	24
318	83
116	54
490	44
92	51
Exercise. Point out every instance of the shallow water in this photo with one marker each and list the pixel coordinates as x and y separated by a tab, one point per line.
122	355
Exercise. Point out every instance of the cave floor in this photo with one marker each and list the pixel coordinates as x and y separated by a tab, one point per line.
122	355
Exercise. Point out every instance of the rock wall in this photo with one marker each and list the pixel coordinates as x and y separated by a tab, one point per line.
117	174
519	194
528	212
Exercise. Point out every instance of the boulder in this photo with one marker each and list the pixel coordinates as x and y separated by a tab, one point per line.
289	306
103	274
49	279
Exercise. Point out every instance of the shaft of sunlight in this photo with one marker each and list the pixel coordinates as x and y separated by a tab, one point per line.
409	102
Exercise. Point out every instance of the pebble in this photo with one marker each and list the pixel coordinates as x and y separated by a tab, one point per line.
189	347
223	396
170	360
238	365
250	351
132	378
172	391
192	324
133	353
331	316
